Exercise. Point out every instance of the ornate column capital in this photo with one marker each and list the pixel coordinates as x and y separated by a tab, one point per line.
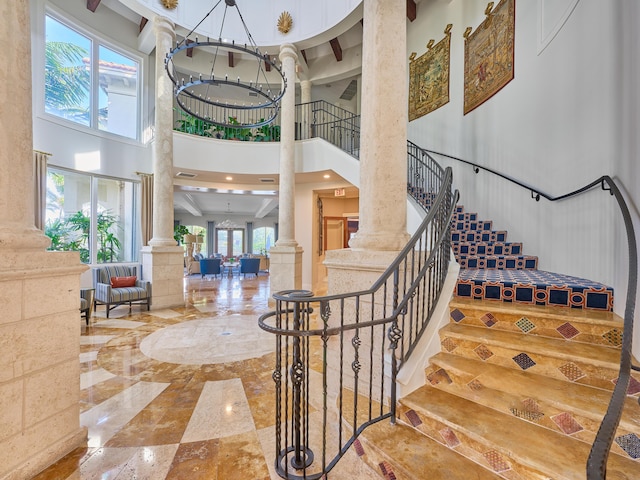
164	25
288	50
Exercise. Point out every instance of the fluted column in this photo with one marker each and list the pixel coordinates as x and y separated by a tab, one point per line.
163	259
162	148
383	158
286	256
40	321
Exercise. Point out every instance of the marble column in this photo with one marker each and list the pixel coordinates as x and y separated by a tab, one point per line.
162	259
305	98
286	255
39	290
383	158
383	161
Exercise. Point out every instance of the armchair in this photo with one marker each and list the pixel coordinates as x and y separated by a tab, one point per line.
113	295
249	265
210	266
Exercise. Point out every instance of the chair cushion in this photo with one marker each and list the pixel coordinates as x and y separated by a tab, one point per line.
120	282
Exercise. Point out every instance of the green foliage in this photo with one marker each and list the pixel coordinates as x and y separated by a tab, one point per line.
67	81
72	234
189	124
179	231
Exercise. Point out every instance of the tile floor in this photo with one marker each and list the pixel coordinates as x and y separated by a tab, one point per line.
182	393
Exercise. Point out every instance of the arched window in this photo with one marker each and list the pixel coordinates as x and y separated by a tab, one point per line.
263	239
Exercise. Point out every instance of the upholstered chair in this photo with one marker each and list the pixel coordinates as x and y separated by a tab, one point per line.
117	285
249	265
210	266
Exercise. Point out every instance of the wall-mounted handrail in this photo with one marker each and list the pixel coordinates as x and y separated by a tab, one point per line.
597	461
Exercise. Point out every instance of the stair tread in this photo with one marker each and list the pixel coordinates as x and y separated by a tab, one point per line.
585	400
555	454
601	356
421	457
550	311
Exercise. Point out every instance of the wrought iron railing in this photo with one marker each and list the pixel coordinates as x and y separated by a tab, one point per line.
321	119
338	356
597	462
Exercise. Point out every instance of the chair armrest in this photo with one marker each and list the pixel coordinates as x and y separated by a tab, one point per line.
103	292
146	285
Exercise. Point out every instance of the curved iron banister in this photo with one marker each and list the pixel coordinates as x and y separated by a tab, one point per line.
597	461
373	332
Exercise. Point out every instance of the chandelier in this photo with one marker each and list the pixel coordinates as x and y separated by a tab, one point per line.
218	99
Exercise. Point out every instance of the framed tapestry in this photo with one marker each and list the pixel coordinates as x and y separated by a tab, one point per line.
489	54
429	77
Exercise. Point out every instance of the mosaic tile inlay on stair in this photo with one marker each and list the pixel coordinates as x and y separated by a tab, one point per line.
496	269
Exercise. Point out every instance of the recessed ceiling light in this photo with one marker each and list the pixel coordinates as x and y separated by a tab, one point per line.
229	178
326	175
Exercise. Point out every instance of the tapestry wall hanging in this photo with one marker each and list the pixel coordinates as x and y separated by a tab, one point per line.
429	77
489	54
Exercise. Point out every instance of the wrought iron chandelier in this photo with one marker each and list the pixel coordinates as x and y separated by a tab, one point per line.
218	99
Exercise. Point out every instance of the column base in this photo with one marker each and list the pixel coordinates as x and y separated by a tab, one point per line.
39	366
163	266
285	268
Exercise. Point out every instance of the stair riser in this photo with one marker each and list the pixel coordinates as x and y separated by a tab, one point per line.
479	236
497	262
474	448
471	225
380	462
499	248
564	328
529	408
534	362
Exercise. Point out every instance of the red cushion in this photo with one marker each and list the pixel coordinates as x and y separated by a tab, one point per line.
119	282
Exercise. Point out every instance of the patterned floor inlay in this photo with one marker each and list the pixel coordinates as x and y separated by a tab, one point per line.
483	352
571	371
525	325
528	410
497	461
449	437
630	443
475	385
524	361
567	423
632	388
614	337
387	471
457	315
449	344
358	446
413	418
439	376
488	319
567	330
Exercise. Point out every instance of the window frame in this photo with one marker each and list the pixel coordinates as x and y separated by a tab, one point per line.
135	233
97	39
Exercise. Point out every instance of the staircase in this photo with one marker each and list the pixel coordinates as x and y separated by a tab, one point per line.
517	392
493	268
520	385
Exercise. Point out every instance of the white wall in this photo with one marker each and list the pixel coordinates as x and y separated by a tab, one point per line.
568	117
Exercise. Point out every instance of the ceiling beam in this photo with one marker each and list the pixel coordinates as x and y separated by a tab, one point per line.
143	23
231	62
187	201
93	4
267	65
411	10
268	204
337	50
190	50
304	55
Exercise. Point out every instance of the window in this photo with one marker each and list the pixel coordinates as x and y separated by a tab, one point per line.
230	242
91	214
89	83
263	240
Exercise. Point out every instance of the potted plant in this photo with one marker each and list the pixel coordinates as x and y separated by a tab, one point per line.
179	231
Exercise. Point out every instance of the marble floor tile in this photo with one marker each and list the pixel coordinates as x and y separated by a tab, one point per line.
104	420
183	393
89	379
222	411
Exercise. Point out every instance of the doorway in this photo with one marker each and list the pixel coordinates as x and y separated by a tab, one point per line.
230	241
